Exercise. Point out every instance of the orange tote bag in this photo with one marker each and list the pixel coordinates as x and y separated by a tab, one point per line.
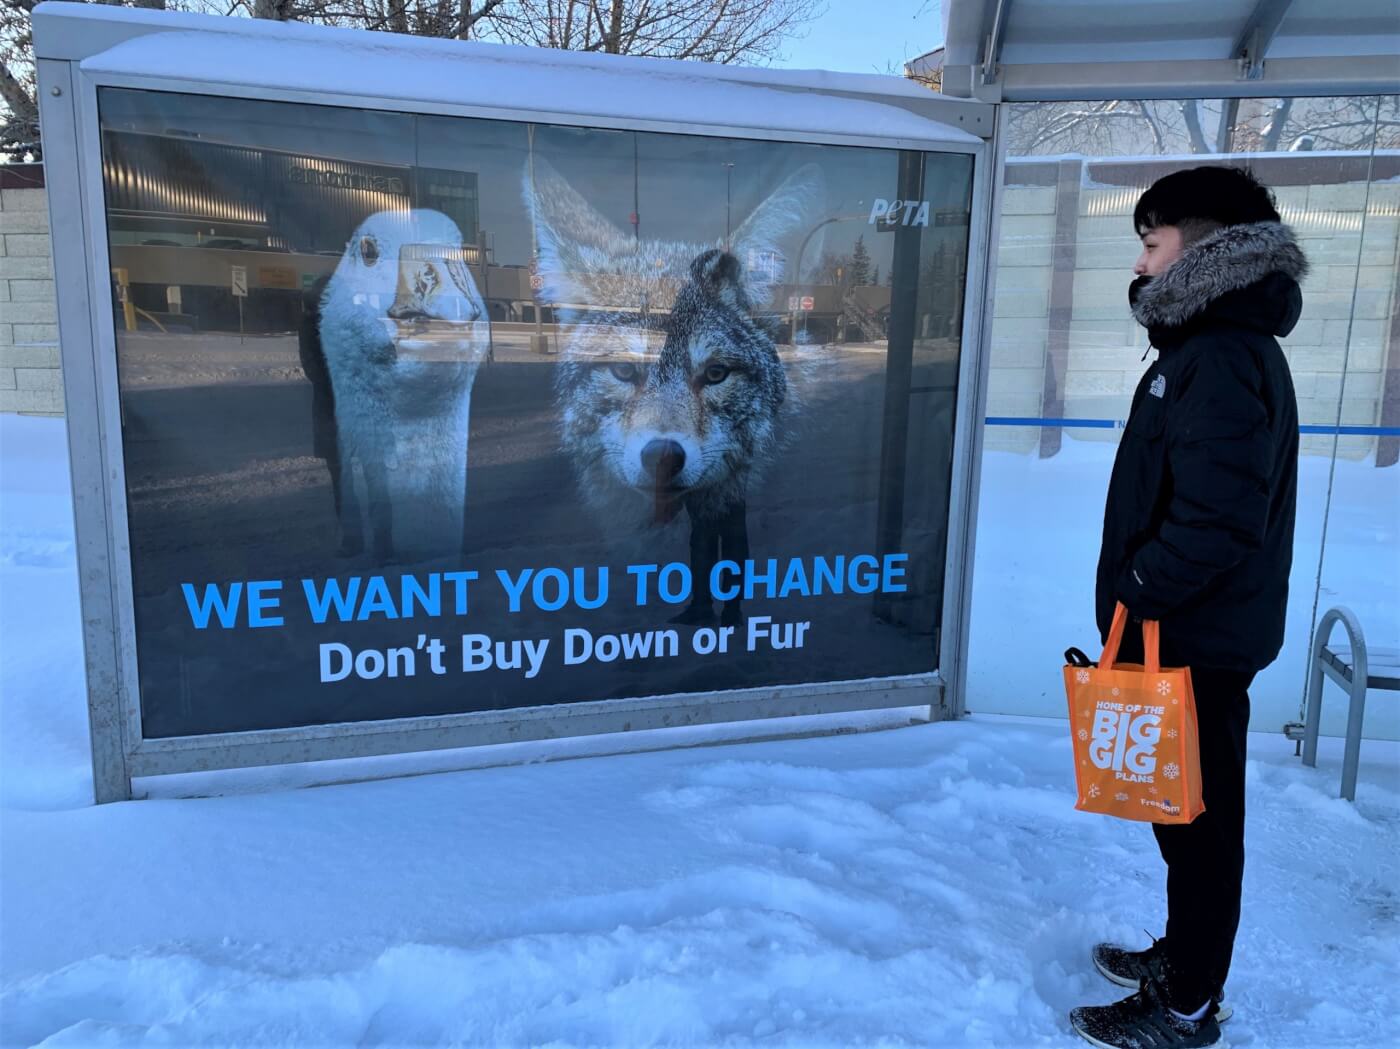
1136	749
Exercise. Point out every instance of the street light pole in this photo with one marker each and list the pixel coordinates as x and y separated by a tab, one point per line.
797	270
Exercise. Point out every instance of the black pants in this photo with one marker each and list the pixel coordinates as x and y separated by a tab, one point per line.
1205	858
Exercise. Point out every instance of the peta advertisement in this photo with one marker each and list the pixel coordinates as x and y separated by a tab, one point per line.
426	415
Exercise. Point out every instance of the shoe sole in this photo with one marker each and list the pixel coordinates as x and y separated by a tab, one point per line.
1223	1011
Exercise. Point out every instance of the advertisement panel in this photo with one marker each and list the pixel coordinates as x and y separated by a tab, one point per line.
428	414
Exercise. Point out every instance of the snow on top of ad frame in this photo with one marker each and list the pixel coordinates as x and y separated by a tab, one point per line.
299	57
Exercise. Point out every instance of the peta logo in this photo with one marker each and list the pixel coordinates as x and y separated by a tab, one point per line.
889	213
1158	387
1124	739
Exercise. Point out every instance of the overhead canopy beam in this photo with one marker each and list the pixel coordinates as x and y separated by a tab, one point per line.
1188	78
1258	35
1003	50
991	54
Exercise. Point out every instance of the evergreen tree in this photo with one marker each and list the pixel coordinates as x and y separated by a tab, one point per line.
859	272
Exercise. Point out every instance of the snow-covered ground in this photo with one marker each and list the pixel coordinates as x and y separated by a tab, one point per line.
930	885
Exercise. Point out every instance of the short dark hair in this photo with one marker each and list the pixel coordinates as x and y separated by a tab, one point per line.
1210	195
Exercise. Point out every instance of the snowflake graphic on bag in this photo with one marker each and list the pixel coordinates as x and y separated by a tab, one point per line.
1170	770
1152	790
1121	796
1082	676
1171	733
1083	733
1164	688
1093	790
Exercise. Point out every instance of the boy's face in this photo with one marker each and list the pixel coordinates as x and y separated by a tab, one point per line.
1161	246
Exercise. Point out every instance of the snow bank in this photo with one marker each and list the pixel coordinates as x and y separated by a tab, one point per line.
44	759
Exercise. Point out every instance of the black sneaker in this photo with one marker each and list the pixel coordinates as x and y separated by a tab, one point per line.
1125	967
1129	968
1143	1021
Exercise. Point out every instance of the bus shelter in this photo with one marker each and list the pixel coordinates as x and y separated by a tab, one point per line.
424	394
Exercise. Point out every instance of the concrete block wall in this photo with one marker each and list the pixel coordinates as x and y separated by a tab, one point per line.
1339	350
1021	312
30	379
1106	344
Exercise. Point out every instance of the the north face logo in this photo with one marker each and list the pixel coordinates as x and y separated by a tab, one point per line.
1158	387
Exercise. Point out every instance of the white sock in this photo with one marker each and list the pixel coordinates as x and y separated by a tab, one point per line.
1199	1014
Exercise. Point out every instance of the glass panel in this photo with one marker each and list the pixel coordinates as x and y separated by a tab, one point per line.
1360	562
1066	355
607	414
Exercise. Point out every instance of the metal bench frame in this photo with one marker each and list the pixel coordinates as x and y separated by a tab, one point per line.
1352	672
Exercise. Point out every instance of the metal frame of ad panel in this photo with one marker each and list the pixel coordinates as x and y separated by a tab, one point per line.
87	301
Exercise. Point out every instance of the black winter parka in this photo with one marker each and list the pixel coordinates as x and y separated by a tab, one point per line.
1198	527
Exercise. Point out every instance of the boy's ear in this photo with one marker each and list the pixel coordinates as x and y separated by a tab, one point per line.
572	238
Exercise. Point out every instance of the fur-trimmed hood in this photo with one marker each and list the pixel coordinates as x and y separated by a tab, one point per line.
1228	260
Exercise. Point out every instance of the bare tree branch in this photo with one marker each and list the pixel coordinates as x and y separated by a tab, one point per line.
17	97
1156	127
1191	110
704	30
1174	127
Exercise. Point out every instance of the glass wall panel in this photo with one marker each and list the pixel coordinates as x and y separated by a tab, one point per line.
1359	563
428	415
1067	355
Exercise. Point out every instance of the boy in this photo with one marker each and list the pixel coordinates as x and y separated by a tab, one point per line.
1198	534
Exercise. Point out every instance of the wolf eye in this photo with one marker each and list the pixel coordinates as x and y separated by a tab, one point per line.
716	373
624	370
369	251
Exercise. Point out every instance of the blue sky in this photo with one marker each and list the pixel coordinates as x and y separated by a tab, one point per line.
864	36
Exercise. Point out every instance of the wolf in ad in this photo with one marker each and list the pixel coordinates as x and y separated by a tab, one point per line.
671	392
392	346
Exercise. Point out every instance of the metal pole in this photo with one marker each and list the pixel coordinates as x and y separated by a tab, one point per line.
539	343
486	294
899	364
796	274
728	185
84	304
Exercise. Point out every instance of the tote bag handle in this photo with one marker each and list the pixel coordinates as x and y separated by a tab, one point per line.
1151	642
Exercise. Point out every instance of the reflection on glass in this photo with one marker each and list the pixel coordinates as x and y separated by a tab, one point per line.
400	331
391	349
1066	354
692	418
